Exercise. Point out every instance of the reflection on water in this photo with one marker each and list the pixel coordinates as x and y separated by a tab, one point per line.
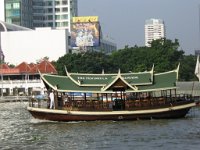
19	130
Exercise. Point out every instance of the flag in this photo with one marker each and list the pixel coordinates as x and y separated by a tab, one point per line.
197	68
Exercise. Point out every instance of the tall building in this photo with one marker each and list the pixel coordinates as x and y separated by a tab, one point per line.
54	13
154	29
17	15
39	13
18	12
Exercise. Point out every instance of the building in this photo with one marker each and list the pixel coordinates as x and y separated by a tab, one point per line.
106	46
154	29
189	88
33	45
54	13
18	12
24	78
39	13
5	27
197	52
51	20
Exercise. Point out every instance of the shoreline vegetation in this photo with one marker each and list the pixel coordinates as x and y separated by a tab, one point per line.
164	54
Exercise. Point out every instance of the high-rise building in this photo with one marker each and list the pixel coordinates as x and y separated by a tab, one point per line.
154	29
17	12
54	13
39	13
17	15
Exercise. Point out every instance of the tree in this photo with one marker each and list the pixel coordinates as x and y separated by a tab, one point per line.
163	54
187	68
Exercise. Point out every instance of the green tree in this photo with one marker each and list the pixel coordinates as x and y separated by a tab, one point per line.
187	68
163	54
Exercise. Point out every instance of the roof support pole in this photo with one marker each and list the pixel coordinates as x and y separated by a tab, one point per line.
56	99
85	100
175	93
170	94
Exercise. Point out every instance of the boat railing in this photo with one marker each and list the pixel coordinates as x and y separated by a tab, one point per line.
101	105
73	105
88	105
40	103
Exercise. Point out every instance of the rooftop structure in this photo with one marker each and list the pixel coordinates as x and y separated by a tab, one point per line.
11	27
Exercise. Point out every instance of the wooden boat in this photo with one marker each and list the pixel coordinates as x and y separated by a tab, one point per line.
120	96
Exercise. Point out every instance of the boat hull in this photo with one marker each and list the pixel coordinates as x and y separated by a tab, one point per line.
64	115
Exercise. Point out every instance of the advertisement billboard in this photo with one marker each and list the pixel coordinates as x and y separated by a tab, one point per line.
85	19
85	32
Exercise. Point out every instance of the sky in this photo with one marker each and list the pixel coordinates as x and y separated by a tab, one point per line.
123	20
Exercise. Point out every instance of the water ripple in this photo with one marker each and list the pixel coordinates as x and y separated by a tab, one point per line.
18	130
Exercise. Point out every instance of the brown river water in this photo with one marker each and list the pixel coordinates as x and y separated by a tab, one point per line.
19	130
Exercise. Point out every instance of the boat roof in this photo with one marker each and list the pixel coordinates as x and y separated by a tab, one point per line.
109	83
103	79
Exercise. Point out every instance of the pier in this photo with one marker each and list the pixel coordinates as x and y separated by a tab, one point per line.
5	99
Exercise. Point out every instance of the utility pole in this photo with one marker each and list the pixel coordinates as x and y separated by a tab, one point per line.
199	24
1	69
1	63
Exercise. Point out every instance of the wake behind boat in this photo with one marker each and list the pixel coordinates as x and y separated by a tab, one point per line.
121	96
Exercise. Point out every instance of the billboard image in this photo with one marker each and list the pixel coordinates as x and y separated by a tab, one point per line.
85	32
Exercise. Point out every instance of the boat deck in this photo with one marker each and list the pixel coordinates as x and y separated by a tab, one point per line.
119	105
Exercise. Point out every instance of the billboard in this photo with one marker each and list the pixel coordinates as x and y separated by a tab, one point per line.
85	32
85	19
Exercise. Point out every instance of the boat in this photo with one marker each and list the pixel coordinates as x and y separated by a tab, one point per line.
118	96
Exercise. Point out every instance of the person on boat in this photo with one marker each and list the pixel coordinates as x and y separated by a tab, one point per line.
52	103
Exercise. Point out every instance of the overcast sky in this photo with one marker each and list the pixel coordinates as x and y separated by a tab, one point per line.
123	20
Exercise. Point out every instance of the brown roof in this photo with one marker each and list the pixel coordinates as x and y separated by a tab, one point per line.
4	66
5	69
23	67
44	67
32	65
10	71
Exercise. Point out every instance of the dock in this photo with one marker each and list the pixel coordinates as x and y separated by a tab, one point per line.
6	99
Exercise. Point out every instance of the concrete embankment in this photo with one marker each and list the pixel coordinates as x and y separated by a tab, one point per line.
5	99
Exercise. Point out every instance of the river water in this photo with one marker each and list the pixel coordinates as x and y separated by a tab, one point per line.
18	130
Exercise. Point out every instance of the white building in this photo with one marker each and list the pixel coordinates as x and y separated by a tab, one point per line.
154	29
32	45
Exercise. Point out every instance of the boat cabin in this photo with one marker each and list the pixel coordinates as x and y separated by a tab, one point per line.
113	92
